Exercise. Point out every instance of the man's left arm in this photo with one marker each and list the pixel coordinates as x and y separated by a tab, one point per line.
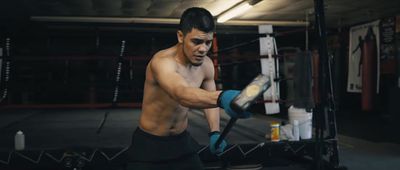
211	114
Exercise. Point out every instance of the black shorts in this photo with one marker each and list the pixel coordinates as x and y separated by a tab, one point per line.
163	152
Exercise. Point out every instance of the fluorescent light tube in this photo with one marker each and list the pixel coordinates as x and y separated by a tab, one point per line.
237	10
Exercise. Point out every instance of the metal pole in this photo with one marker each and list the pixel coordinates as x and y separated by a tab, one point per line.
320	108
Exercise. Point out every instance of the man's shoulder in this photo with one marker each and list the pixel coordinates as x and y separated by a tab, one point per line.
208	68
208	63
162	59
161	56
208	60
165	54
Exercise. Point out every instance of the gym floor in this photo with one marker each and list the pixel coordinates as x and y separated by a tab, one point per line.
57	128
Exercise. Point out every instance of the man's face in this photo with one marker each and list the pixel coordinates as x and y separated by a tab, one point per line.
195	44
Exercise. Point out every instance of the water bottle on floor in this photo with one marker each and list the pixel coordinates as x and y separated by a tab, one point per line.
19	141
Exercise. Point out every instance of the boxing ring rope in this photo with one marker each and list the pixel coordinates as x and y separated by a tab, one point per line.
119	62
218	65
114	103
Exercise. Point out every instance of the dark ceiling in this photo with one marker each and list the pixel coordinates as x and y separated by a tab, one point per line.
338	12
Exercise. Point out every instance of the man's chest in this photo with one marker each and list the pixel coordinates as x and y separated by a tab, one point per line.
193	77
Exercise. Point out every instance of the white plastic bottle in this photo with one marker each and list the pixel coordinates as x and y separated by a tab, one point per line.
19	141
296	130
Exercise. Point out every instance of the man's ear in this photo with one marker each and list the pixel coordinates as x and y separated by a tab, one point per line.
180	36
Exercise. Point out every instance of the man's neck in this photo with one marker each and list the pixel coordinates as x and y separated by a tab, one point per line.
181	58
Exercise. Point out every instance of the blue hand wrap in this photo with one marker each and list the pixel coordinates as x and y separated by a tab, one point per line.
224	101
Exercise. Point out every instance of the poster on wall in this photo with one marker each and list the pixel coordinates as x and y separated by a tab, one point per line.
358	37
387	46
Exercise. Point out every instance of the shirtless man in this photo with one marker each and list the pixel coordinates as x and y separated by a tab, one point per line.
177	79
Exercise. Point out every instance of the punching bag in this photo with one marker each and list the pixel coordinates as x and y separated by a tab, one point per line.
369	71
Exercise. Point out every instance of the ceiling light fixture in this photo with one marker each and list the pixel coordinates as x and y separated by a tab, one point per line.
236	10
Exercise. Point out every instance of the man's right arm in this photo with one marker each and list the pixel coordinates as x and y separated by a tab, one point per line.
175	85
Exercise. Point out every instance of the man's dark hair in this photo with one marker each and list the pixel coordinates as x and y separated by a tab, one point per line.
198	18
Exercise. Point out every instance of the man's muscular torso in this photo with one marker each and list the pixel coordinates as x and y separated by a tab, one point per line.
161	114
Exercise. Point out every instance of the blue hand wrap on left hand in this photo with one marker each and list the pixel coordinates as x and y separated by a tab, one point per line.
213	139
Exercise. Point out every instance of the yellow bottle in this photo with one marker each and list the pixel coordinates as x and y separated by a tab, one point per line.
275	132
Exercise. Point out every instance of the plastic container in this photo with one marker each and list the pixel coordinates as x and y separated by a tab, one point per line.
19	141
296	130
304	119
275	136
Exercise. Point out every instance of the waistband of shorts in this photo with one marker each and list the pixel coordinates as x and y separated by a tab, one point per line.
140	131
